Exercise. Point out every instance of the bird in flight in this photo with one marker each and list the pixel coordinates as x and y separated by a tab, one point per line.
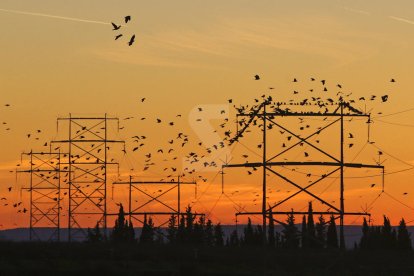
127	18
132	40
116	27
118	36
256	77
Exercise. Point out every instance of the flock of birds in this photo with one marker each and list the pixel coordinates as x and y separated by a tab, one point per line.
197	151
117	27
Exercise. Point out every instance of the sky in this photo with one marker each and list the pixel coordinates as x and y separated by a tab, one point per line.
60	57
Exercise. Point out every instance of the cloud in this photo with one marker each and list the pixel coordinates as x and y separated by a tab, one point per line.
56	17
401	19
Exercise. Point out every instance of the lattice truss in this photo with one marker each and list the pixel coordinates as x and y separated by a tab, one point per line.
163	196
45	194
308	154
89	147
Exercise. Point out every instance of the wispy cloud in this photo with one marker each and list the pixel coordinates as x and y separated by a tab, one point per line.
356	11
401	19
55	16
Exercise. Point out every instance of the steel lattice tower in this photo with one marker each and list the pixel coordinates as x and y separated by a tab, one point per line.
88	146
342	110
45	193
134	212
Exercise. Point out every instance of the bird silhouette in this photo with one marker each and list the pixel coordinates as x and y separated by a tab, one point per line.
116	27
118	36
131	41
256	77
127	18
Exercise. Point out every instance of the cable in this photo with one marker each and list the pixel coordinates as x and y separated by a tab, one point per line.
402	203
396	124
395	113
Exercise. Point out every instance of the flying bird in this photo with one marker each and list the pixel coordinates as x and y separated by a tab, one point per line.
131	41
118	36
256	77
384	98
127	18
116	27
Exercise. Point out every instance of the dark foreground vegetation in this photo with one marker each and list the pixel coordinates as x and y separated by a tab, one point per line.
193	246
124	259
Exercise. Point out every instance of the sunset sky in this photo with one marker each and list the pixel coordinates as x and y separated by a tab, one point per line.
60	57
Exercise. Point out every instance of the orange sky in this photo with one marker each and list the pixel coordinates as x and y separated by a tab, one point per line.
60	58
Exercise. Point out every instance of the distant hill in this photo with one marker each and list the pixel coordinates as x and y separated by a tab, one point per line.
352	233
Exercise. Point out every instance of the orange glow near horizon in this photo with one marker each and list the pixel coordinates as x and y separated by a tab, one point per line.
190	55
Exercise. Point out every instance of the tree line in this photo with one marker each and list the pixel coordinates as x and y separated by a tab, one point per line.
194	229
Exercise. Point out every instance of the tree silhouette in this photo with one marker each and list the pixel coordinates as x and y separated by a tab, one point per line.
122	232
271	230
331	235
403	238
304	234
147	233
218	235
208	235
365	239
388	238
290	233
234	239
311	238
248	234
95	235
320	232
172	230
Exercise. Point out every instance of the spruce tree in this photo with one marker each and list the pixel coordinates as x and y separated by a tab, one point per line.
172	230
304	234
403	237
290	233
209	236
387	239
320	232
364	243
121	232
218	235
95	235
147	234
311	227
249	233
331	235
271	230
234	239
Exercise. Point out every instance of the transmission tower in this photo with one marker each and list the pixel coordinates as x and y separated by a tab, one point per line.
45	194
88	145
134	212
342	110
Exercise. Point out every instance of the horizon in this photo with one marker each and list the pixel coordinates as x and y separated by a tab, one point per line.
189	59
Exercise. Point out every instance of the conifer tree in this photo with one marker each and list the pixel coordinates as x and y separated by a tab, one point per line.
311	238
320	232
331	235
249	233
95	235
147	234
209	236
271	230
403	237
364	243
290	233
172	230
234	239
122	232
387	238
304	234
218	235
